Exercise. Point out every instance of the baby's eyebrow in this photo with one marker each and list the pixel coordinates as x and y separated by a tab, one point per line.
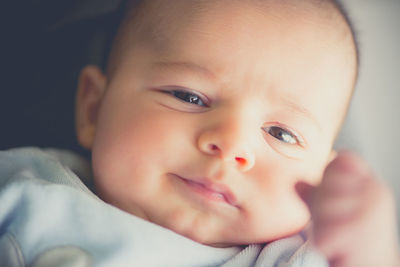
295	107
186	66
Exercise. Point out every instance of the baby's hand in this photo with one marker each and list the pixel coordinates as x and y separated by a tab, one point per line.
354	221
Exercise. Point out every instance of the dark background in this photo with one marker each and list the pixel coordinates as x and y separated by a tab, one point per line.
43	53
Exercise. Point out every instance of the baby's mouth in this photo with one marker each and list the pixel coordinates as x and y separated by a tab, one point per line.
210	190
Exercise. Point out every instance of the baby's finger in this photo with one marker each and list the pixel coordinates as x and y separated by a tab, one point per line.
334	209
340	194
342	175
350	208
332	240
346	174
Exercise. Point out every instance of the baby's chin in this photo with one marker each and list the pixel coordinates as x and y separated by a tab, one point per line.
218	241
204	236
218	244
224	245
220	238
229	243
257	239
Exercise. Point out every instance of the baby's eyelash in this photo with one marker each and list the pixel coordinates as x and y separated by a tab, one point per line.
283	135
188	97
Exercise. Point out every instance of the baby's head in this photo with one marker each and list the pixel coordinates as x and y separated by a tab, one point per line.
212	111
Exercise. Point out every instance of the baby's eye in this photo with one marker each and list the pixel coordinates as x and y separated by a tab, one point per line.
282	135
188	97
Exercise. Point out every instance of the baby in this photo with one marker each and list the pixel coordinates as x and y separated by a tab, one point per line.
216	120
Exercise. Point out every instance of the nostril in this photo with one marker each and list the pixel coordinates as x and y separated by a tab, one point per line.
213	147
240	160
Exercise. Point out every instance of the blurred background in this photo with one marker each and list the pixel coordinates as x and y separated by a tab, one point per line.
374	117
47	42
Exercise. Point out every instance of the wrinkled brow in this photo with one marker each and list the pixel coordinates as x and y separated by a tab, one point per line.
187	67
293	106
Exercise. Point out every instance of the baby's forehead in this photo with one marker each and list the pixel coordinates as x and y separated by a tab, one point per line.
153	22
155	18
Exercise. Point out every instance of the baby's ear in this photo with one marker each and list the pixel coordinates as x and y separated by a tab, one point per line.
91	86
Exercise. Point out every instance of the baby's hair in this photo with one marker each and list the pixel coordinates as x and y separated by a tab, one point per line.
116	21
127	8
343	11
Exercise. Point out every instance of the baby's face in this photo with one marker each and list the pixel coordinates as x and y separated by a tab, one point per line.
208	129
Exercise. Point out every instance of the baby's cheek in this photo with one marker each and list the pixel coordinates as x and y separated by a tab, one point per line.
294	212
276	217
276	209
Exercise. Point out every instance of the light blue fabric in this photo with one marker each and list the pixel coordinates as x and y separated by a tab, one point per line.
48	217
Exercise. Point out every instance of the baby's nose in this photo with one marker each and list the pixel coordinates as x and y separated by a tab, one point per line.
227	147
